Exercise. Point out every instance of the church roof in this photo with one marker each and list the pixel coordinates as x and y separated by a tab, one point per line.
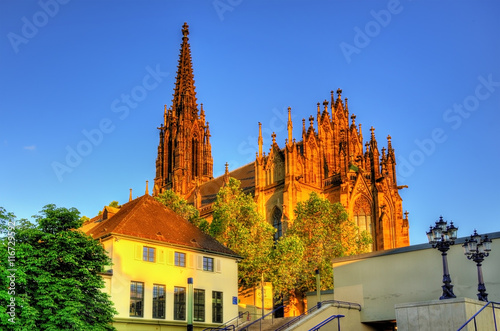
209	190
146	218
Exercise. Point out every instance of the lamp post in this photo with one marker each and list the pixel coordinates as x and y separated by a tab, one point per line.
442	236
476	249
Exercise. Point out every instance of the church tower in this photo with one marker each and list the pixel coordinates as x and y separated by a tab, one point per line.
329	157
184	153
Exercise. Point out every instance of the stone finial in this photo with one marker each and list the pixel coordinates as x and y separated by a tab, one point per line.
185	29
311	120
372	129
353	118
339	93
147	190
274	138
260	140
130	196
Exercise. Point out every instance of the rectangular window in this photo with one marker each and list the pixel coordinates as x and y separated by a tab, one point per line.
180	259
199	305
208	264
158	301
136	299
148	254
179	303
217	307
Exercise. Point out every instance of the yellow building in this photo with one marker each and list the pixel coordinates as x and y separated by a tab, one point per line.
154	252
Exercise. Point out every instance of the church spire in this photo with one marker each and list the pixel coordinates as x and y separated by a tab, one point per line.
184	153
261	141
290	126
184	91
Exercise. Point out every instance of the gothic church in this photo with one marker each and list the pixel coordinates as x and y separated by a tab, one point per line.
331	159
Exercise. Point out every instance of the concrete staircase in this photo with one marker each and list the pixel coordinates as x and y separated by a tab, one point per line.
268	324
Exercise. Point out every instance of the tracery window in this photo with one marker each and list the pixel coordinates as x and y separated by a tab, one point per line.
363	218
277	223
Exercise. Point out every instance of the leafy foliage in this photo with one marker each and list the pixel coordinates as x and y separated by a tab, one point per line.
287	258
320	232
53	276
326	233
114	204
179	205
237	224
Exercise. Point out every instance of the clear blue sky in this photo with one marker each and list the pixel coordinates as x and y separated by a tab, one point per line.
425	72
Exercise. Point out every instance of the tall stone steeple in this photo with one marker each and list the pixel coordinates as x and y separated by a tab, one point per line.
184	101
184	152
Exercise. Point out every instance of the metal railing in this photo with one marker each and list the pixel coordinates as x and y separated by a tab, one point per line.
328	320
246	327
229	325
338	304
473	318
343	304
225	328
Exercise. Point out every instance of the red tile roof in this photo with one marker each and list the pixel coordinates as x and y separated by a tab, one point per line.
146	218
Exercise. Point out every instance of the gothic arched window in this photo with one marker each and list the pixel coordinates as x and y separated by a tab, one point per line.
194	158
278	225
363	218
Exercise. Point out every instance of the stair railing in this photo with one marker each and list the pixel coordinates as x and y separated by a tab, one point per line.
222	328
328	320
228	326
339	304
246	327
473	318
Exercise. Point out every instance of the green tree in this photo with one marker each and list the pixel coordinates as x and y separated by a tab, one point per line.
237	224
286	257
180	206
114	204
7	219
53	276
326	233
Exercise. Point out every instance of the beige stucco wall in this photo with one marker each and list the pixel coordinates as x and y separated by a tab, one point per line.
126	254
380	280
445	315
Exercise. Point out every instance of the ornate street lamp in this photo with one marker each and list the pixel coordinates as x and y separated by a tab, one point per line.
476	249
442	236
